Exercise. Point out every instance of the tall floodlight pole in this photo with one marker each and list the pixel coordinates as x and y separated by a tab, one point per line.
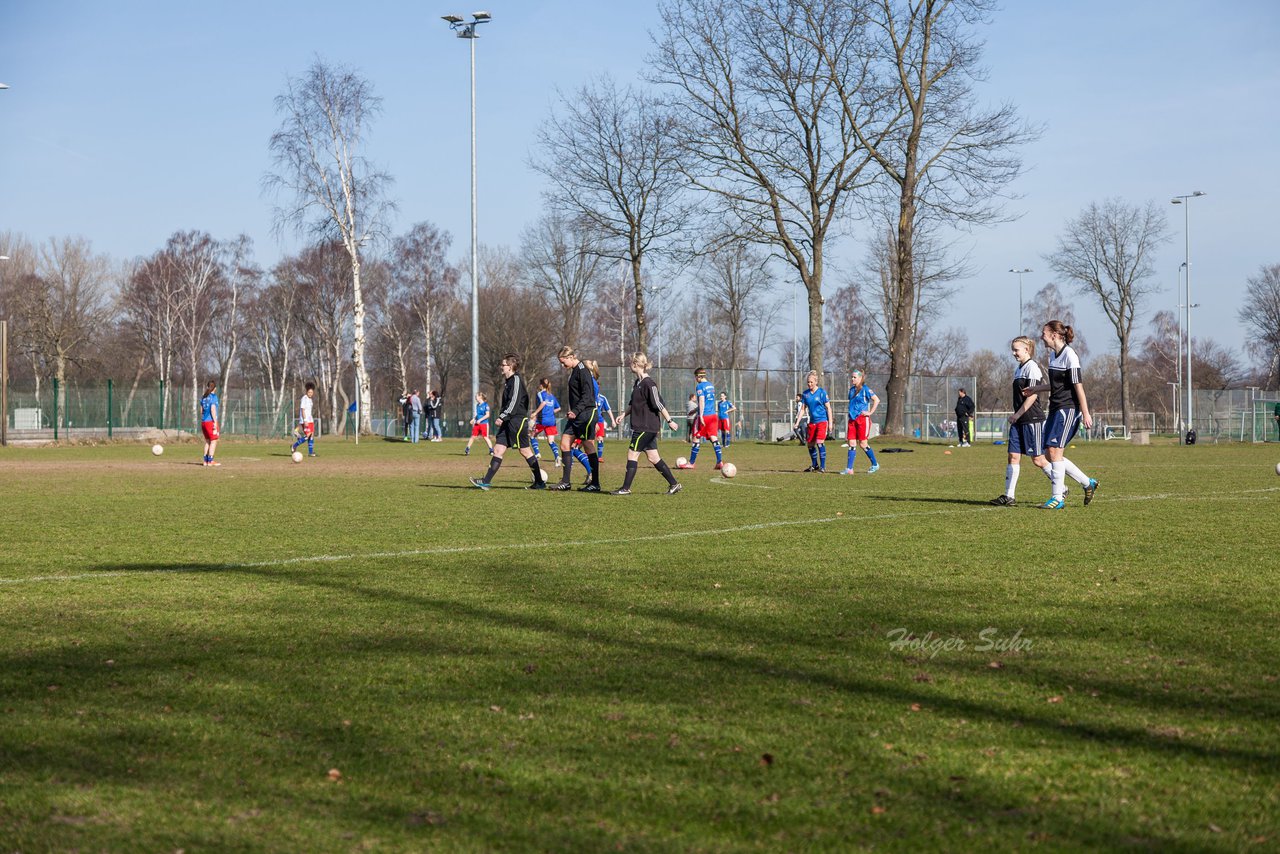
1020	271
4	369
1178	388
467	30
1185	201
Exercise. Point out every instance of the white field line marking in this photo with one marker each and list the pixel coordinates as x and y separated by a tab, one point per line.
674	535
721	481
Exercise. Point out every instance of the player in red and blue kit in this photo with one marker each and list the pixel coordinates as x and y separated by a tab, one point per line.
863	403
480	424
209	422
706	423
544	419
723	408
818	405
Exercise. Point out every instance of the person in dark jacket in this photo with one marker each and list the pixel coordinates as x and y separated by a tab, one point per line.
511	425
964	418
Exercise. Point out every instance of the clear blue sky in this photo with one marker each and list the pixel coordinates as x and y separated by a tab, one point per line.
129	120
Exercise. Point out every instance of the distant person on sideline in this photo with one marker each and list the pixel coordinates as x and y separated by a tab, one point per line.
431	407
415	416
964	418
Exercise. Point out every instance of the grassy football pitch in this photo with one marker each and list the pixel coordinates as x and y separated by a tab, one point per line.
363	652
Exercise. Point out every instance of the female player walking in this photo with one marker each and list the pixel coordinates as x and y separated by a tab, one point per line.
647	414
511	425
1068	406
1026	424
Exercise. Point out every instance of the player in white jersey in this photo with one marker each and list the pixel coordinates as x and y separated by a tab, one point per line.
1068	407
1026	424
306	429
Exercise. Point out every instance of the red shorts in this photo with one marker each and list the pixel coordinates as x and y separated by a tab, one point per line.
210	430
549	429
480	430
708	429
309	429
599	430
817	433
860	428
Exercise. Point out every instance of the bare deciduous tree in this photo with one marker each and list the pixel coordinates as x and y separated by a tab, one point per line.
768	94
1107	251
734	279
1047	304
561	257
610	155
945	158
1261	316
64	303
420	268
334	191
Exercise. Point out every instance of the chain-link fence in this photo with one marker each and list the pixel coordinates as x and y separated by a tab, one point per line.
764	408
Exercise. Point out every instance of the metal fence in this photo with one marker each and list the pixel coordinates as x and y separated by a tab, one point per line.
764	408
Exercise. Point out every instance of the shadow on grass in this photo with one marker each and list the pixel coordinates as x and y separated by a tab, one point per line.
924	499
680	672
1050	721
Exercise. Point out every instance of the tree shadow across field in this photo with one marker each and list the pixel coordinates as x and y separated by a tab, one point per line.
752	664
704	669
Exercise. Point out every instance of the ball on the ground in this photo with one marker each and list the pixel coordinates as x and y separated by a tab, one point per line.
728	470
157	449
681	461
1277	468
545	477
297	456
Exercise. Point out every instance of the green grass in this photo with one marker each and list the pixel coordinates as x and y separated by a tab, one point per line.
188	652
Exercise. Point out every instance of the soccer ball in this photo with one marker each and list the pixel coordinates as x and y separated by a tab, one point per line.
1277	468
297	456
545	477
681	461
159	449
728	470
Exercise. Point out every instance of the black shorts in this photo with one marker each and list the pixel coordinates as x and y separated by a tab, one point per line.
643	442
513	434
583	427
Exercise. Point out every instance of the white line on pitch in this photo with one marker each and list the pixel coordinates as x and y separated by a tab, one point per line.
759	526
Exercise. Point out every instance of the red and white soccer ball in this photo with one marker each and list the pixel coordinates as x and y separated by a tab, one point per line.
297	456
728	470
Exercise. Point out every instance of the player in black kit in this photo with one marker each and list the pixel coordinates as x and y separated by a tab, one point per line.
512	425
647	417
580	420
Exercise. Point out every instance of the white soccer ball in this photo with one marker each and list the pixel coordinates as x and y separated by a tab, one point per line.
159	449
297	456
681	461
1277	468
728	470
545	477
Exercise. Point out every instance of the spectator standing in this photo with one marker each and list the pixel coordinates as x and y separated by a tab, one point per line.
964	418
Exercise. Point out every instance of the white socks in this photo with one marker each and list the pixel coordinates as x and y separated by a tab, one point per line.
1058	477
1011	480
1074	471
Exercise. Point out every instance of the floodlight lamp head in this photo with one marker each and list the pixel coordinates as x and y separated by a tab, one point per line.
481	16
1198	193
452	19
4	85
1175	201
